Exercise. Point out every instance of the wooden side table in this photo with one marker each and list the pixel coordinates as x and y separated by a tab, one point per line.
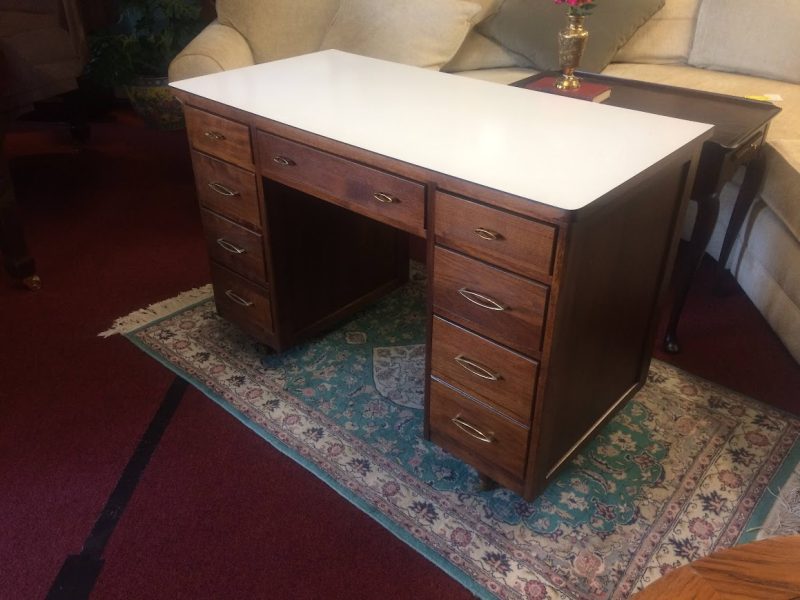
740	127
764	570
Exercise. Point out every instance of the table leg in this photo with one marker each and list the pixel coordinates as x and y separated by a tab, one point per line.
753	177
16	259
707	212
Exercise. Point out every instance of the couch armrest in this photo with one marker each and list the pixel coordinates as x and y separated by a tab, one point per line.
217	48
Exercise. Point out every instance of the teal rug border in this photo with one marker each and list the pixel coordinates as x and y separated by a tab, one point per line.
441	562
767	500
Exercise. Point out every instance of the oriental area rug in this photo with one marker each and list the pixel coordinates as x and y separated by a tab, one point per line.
684	469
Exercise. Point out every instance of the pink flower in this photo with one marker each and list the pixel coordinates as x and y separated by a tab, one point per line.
577	7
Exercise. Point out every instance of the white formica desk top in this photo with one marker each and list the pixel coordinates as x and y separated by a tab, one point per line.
555	150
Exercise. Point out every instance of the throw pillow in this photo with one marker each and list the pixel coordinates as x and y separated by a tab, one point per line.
278	28
423	33
754	37
479	52
530	28
666	38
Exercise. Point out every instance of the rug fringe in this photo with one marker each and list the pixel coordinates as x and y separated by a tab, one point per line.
157	310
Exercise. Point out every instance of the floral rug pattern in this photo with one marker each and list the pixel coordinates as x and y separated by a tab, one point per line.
676	475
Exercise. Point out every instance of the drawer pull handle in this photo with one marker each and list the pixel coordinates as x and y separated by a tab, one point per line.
476	369
214	135
472	431
488	234
385	198
238	299
746	150
481	300
222	190
226	245
283	161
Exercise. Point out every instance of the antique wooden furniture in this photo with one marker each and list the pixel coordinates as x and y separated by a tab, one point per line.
550	223
740	129
763	570
42	52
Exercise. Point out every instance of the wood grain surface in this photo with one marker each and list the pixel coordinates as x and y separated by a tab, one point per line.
764	570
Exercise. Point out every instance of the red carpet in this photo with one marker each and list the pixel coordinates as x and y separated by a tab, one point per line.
218	513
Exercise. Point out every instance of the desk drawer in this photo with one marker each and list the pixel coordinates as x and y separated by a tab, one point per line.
237	248
475	434
490	372
241	301
513	242
227	190
499	305
749	149
387	198
219	136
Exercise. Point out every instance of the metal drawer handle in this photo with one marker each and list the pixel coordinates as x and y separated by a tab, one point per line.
487	234
226	245
222	190
283	161
385	198
745	150
481	300
472	431
476	369
214	135
237	298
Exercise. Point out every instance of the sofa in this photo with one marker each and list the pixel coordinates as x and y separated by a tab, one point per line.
738	47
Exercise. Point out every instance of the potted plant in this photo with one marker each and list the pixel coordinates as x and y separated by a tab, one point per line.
135	53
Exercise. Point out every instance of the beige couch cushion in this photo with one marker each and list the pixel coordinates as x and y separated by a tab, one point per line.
767	271
413	32
530	28
217	48
754	37
665	38
278	28
781	191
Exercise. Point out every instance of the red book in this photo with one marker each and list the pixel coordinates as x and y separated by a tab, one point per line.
594	92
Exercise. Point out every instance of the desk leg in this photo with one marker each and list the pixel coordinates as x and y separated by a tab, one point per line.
753	176
707	212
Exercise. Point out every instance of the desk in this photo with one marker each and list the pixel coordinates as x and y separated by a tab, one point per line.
740	129
550	226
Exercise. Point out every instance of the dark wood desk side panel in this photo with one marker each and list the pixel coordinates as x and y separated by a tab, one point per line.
328	262
614	267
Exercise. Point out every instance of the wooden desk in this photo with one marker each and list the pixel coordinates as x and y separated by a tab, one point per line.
764	570
550	226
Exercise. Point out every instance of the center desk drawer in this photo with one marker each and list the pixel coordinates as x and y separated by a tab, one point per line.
227	190
488	371
234	246
381	196
499	305
513	242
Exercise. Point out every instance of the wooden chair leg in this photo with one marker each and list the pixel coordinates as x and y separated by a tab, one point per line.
16	259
